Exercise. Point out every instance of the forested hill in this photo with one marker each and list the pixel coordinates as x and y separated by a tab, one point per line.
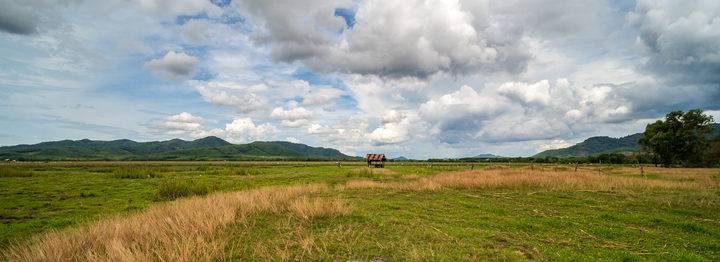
597	145
605	145
209	148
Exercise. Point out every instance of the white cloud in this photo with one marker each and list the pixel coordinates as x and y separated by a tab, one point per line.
229	94
395	129
554	144
316	129
294	117
173	66
537	93
243	130
292	140
180	125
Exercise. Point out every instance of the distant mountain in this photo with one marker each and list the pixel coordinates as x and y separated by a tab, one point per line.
597	145
310	151
208	148
401	158
605	145
487	156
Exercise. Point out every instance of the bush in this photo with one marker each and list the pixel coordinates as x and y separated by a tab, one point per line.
135	173
174	188
6	171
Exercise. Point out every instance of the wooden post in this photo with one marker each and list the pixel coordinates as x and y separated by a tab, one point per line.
642	171
472	166
508	164
532	165
576	164
600	168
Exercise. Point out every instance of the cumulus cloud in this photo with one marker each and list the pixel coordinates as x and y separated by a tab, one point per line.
173	66
460	114
376	95
240	130
389	38
180	125
679	39
317	129
243	130
395	128
228	94
294	117
536	93
521	111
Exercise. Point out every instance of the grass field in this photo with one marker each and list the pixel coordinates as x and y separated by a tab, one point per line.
189	211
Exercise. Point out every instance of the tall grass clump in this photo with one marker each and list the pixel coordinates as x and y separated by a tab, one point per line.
135	173
366	172
175	188
6	171
191	229
307	208
235	172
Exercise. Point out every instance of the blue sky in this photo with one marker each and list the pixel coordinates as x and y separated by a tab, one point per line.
420	79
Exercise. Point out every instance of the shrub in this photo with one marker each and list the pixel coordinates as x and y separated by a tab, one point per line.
174	188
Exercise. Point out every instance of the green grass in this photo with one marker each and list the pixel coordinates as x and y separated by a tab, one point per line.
524	223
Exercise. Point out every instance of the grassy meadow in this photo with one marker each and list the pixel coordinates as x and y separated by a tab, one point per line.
199	211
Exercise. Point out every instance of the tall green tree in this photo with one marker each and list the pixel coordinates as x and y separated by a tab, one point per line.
680	139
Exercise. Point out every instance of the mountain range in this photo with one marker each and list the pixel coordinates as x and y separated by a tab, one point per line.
605	145
208	148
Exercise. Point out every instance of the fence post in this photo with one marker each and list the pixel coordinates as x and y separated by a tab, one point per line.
600	168
532	165
642	171
576	164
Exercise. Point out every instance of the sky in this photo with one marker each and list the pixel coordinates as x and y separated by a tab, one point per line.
420	79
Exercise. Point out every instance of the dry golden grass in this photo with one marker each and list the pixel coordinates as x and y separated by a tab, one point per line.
382	171
306	208
185	230
422	184
508	178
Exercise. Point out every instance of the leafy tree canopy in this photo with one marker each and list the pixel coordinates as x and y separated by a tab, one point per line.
681	139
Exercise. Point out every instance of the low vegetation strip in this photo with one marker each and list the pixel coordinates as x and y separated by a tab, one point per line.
185	230
517	178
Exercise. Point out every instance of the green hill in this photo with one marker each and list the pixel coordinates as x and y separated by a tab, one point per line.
209	148
597	145
605	145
